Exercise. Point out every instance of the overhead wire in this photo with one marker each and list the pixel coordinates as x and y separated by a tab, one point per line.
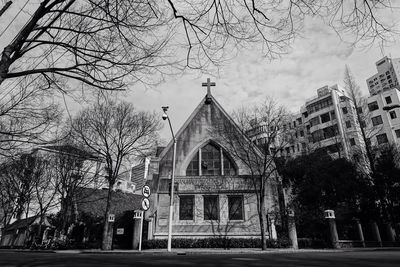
9	24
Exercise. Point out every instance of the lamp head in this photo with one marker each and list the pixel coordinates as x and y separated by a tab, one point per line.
164	115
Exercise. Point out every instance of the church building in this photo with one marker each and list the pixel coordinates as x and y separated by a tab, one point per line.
213	193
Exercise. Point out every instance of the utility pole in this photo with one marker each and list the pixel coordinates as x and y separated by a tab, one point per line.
5	7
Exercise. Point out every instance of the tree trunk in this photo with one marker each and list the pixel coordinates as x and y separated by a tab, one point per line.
262	217
106	242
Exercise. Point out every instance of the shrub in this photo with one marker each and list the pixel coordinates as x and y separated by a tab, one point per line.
215	242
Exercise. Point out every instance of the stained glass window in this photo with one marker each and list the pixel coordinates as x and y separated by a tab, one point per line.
212	157
235	205
210	160
193	168
186	204
211	209
229	168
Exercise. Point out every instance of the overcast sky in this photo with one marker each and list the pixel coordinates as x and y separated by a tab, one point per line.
315	60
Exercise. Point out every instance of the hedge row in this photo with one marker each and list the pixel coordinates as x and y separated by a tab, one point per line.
215	242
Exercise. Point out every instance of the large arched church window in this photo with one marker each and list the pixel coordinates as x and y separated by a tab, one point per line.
211	160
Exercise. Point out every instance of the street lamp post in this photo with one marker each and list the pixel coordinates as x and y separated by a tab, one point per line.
171	202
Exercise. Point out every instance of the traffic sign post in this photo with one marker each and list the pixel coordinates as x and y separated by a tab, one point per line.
146	192
145	204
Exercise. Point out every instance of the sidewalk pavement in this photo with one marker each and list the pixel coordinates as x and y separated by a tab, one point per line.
194	251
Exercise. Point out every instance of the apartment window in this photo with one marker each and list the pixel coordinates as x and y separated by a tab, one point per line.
352	142
186	204
393	114
344	109
211	209
397	133
325	117
388	100
376	120
359	110
314	121
319	105
348	124
381	138
373	106
301	133
235	206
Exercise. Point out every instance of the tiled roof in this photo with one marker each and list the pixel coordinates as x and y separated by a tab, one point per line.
93	201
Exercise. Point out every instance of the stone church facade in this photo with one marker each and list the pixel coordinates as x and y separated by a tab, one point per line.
214	195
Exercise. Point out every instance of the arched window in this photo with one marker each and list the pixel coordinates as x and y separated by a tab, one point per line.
211	160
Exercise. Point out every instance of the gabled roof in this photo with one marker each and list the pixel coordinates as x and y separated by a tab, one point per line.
23	223
212	101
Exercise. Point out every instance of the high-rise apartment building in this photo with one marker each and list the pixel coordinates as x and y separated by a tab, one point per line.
326	121
387	77
383	104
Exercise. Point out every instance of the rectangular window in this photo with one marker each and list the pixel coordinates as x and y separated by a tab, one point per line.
388	100
235	205
325	117
362	124
348	124
186	205
314	121
344	109
301	133
352	142
393	114
397	133
381	139
211	208
376	120
359	110
373	106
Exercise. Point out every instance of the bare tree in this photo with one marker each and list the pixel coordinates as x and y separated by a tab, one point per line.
73	168
108	44
367	132
115	132
27	116
363	117
269	124
18	177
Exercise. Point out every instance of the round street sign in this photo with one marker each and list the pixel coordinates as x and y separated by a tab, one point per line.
145	204
146	191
